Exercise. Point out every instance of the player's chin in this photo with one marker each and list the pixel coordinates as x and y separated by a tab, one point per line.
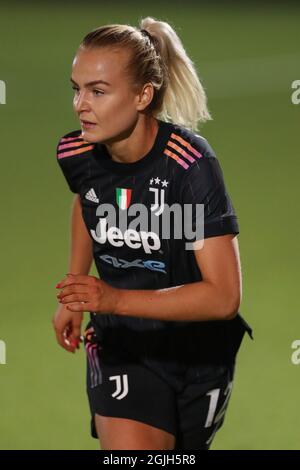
90	135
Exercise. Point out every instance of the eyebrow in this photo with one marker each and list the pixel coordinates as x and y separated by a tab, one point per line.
95	82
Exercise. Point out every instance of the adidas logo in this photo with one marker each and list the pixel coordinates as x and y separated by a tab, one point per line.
91	195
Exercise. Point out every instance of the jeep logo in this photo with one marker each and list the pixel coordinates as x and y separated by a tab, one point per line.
133	239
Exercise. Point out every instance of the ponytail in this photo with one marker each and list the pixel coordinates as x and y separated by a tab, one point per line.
184	100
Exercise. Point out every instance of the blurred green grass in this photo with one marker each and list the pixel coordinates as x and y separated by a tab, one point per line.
247	57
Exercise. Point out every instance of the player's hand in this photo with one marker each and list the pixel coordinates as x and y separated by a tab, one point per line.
81	293
67	326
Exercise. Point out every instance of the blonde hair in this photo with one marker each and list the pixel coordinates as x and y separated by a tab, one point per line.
158	56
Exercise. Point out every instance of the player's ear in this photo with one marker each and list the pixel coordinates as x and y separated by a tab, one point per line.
145	97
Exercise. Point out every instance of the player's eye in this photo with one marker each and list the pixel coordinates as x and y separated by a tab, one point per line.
98	92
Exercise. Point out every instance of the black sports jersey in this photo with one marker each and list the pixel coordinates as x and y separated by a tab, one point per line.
181	168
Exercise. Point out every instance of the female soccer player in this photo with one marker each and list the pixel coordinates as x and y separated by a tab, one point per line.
152	210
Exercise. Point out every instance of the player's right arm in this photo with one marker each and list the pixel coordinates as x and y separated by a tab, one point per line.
81	253
67	325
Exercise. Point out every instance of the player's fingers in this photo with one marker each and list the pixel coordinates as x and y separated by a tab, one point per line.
79	306
76	333
71	289
68	331
79	297
62	336
74	341
63	340
77	279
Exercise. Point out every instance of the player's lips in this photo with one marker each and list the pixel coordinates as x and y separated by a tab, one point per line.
87	124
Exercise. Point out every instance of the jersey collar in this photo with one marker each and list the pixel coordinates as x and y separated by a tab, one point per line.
103	157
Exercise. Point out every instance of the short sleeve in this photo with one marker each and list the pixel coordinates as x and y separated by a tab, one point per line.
72	154
204	184
68	177
65	164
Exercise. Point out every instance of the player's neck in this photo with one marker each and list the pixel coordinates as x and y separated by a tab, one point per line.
137	144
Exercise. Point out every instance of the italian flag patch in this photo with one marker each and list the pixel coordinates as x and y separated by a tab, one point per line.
123	197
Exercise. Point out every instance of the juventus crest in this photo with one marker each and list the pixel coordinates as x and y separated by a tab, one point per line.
159	195
121	386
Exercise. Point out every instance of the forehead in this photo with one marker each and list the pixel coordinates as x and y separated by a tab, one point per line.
101	63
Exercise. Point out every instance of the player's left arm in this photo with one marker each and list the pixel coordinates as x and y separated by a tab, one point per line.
216	297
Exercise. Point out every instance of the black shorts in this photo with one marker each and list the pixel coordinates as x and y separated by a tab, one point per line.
188	400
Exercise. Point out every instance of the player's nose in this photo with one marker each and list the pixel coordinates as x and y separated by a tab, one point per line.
81	103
